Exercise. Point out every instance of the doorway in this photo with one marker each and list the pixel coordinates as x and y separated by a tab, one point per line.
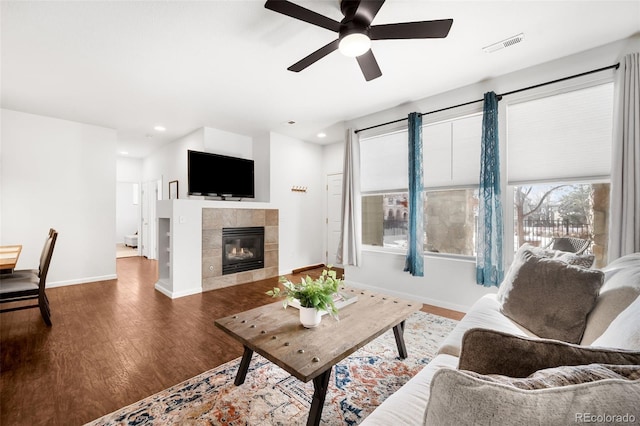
127	219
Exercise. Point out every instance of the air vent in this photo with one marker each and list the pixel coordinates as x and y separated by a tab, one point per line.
504	43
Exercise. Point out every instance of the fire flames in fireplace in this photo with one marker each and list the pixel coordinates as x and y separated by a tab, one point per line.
240	253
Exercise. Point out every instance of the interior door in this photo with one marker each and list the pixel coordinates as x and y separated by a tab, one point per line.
149	229
334	213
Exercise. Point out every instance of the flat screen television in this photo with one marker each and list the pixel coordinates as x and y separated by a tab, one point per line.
215	175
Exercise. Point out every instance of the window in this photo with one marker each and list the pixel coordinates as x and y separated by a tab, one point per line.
559	159
451	169
545	211
449	224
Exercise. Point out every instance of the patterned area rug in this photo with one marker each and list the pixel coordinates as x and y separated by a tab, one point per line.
270	396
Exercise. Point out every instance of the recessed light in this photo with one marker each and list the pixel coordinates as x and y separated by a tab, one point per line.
322	135
124	153
159	128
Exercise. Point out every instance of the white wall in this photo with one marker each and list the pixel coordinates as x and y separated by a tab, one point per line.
60	174
262	172
298	163
128	169
169	162
451	282
227	143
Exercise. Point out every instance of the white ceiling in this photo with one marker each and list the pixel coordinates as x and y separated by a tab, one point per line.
131	65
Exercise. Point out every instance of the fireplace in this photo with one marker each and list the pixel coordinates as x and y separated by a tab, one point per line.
242	249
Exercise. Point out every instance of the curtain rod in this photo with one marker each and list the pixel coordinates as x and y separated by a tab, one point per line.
616	66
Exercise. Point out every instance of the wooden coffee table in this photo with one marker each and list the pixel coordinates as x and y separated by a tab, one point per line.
310	354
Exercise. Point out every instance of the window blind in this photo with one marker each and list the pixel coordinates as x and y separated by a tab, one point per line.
384	162
561	137
452	152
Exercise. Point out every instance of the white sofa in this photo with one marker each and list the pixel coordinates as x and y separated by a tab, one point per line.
619	296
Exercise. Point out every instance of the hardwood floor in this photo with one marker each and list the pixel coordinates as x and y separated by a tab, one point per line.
113	343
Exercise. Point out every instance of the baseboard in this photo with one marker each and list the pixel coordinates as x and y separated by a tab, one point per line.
426	300
162	288
308	268
81	281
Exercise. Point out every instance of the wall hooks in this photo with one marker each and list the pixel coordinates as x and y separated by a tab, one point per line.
298	189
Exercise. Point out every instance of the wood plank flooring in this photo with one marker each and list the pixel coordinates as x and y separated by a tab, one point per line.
113	343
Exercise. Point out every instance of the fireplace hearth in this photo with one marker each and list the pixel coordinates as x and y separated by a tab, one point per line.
242	249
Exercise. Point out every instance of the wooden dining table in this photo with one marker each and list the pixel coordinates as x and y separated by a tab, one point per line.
9	256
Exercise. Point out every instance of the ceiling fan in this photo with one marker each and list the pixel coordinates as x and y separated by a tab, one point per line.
355	31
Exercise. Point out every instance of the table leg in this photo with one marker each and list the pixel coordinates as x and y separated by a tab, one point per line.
320	386
398	332
244	366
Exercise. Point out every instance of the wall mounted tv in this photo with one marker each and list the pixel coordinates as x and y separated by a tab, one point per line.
215	175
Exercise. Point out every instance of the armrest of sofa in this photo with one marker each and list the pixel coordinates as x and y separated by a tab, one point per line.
494	352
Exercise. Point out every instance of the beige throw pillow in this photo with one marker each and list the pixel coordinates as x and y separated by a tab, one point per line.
549	297
624	331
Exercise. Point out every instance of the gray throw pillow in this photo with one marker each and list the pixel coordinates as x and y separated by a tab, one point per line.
606	395
487	351
549	297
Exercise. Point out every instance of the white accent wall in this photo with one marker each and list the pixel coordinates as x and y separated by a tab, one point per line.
60	174
298	163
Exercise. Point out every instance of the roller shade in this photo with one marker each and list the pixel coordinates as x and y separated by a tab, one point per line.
384	162
451	156
561	137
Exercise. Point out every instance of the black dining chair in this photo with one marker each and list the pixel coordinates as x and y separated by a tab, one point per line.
25	273
27	285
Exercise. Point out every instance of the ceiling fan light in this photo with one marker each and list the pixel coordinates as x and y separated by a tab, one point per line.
354	44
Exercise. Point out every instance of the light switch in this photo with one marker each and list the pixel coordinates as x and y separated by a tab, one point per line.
183	219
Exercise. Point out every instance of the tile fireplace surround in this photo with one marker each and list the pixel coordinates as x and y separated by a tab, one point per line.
213	220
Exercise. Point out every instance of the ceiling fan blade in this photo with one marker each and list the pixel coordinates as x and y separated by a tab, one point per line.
367	10
315	56
369	66
298	12
423	29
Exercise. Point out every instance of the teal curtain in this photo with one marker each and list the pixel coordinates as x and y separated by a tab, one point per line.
489	266
415	258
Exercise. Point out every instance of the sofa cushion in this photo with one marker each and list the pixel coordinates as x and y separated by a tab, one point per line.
485	313
624	331
407	405
549	297
494	352
461	397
